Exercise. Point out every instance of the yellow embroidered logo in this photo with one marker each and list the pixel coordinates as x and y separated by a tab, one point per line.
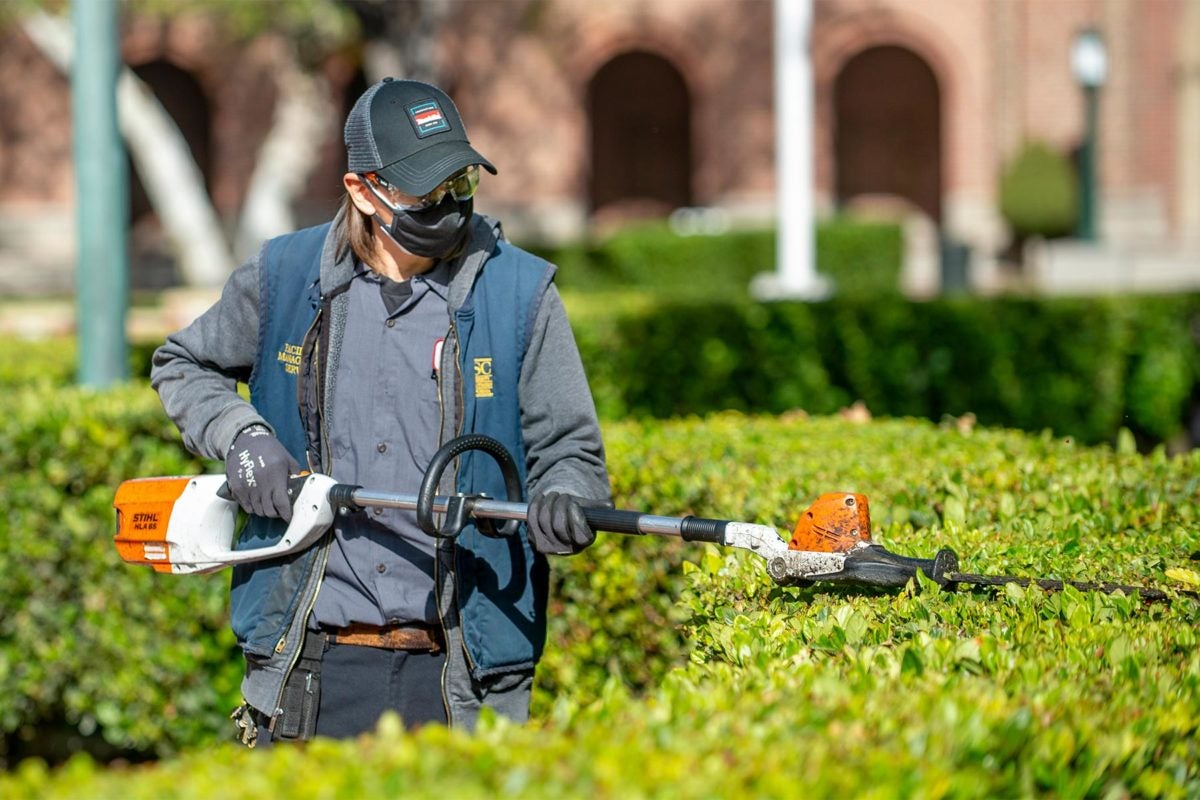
483	377
289	356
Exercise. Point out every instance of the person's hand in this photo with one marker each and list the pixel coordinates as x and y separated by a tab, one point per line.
257	467
557	525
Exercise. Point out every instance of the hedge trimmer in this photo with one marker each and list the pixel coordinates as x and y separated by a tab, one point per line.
187	525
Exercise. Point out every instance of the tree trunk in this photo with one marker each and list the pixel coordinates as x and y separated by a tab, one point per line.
164	162
302	125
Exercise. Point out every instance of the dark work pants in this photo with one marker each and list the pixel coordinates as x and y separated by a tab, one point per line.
359	683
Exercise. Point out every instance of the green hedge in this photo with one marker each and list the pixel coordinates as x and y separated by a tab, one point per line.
100	656
862	258
1081	367
26	363
30	363
93	653
1039	192
782	691
666	328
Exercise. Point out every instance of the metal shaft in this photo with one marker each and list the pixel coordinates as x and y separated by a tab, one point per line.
503	509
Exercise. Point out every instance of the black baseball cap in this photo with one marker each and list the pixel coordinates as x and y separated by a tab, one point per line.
409	133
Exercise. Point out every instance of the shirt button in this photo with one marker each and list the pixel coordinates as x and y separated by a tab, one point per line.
391	323
380	568
378	511
381	447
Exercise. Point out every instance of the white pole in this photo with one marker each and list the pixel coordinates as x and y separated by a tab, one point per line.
796	274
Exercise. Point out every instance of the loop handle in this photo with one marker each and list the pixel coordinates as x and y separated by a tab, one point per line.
459	515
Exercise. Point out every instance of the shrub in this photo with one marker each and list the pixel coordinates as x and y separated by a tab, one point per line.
1039	193
25	363
823	691
37	362
1081	367
88	646
102	656
650	257
863	258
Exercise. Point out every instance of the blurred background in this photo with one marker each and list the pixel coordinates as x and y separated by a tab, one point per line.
979	214
963	121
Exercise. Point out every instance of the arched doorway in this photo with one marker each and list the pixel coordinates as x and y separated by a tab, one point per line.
640	115
887	134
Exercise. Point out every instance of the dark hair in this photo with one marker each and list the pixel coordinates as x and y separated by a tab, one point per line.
355	231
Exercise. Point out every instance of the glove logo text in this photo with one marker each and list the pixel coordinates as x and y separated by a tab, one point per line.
246	462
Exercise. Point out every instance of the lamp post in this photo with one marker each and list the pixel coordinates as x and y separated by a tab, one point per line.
796	276
101	193
1089	64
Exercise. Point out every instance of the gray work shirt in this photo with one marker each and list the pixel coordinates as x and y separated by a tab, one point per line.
383	434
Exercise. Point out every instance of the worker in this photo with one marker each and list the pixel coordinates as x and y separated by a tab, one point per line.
367	342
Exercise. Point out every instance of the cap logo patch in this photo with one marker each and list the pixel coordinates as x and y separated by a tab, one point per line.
427	118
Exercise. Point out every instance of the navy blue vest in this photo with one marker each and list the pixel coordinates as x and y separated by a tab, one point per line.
502	583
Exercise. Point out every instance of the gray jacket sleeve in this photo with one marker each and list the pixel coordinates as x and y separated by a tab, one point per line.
197	370
564	451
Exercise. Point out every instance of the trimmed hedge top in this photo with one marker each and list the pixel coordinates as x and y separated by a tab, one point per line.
1039	192
863	258
678	670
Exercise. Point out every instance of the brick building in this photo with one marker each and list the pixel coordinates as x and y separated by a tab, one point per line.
597	112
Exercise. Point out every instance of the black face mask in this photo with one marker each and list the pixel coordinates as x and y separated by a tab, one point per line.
434	232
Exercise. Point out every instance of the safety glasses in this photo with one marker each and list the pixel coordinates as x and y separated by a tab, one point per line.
461	186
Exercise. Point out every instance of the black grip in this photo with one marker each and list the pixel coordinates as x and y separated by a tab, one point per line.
613	520
341	495
691	529
699	529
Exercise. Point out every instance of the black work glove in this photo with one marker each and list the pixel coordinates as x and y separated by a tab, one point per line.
557	525
257	467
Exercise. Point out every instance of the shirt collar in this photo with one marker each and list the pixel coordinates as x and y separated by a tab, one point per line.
438	277
401	295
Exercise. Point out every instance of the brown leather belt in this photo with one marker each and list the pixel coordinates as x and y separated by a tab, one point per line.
389	637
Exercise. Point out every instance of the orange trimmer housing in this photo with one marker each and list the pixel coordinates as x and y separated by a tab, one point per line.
835	523
144	507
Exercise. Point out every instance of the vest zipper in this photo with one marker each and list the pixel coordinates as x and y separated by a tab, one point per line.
321	426
458	423
437	561
300	386
287	673
437	564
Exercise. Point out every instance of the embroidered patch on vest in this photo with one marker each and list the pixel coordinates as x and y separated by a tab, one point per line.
289	356
427	118
483	377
